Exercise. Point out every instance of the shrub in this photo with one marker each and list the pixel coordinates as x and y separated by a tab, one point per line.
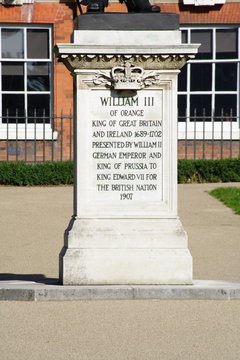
199	171
48	173
61	173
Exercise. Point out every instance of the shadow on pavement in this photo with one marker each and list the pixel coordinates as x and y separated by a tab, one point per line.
38	278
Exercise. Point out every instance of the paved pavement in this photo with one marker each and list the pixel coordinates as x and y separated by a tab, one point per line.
32	223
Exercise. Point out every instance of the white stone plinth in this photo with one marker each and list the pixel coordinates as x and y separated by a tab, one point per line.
132	251
125	228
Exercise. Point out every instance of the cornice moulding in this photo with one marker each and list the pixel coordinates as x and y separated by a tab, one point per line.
106	61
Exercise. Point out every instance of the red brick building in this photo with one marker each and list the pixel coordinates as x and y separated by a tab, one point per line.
36	90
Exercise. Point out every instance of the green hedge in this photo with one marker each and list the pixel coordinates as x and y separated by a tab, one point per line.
48	173
57	173
200	171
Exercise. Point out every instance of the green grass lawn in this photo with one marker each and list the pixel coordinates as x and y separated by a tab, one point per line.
230	196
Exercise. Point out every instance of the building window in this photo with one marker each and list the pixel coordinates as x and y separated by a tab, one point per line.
208	88
25	75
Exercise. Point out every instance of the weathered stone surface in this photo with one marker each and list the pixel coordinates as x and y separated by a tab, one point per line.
125	228
200	290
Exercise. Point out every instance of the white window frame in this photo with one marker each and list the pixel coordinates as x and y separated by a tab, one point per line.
26	131
210	130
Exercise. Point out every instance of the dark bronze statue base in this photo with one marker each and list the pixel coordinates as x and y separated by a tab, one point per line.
128	21
133	6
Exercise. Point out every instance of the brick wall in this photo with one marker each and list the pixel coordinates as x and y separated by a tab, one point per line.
208	149
229	13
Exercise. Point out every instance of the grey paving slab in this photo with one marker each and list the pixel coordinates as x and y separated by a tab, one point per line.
200	290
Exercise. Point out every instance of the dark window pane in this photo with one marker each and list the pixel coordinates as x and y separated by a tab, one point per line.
12	76
182	79
226	76
38	77
201	77
200	107
226	44
38	44
225	107
13	108
12	43
182	106
38	108
184	36
203	37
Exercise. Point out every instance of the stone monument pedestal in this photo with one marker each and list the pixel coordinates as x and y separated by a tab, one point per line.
126	251
125	228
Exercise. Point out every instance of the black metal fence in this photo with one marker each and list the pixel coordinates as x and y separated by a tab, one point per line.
208	137
36	138
50	138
